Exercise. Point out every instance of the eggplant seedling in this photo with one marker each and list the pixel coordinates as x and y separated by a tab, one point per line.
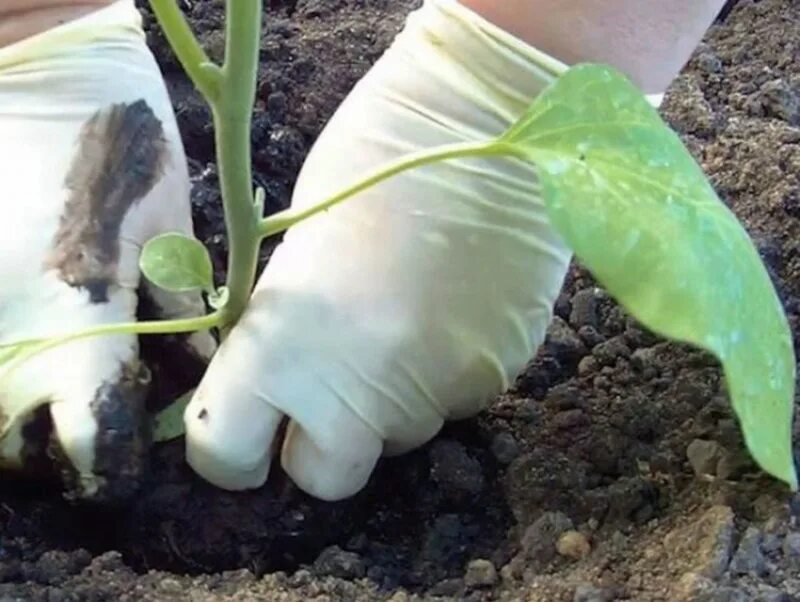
619	186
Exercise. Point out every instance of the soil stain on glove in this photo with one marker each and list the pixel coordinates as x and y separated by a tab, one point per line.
120	158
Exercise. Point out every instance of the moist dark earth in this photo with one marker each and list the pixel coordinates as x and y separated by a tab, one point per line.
613	470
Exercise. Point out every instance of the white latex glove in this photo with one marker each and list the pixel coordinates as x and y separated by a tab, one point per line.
91	167
413	303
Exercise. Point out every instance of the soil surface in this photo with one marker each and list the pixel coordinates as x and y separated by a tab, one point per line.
613	470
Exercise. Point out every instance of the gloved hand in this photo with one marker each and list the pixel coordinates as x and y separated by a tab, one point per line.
91	167
413	303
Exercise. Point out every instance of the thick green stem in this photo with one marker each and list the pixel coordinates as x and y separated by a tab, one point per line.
289	217
231	93
232	121
191	55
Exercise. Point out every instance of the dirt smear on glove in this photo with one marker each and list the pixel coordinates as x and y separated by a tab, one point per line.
119	158
614	470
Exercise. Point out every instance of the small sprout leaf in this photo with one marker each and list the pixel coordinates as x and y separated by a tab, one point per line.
639	213
177	263
217	299
168	423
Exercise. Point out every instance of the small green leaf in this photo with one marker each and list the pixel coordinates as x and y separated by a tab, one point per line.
177	263
638	211
168	423
217	299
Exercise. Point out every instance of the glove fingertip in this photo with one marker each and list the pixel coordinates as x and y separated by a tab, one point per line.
331	472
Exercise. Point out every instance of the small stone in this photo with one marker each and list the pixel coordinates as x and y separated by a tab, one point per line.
565	397
448	587
591	593
709	62
570	419
590	336
778	99
585	308
588	365
170	585
693	588
708	542
767	593
505	447
399	596
607	352
705	457
791	545
573	544
480	573
539	540
749	559
770	543
562	341
300	578
336	562
454	470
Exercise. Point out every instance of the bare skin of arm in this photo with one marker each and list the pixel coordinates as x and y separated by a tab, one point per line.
648	40
20	19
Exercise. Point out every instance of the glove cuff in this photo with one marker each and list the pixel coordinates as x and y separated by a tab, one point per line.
116	22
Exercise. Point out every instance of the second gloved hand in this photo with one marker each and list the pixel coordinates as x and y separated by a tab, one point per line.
91	167
413	303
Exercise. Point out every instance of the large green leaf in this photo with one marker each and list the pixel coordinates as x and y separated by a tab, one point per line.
639	213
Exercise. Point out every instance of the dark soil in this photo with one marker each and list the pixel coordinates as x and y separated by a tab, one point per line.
613	471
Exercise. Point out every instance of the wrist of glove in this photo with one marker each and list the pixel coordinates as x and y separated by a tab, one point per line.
415	302
91	167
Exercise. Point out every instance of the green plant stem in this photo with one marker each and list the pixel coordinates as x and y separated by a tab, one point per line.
230	91
191	55
232	120
152	327
289	217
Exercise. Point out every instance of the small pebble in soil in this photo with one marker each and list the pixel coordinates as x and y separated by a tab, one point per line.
707	542
585	308
608	351
749	559
480	573
336	562
708	458
779	100
565	397
707	61
693	587
588	365
767	593
454	470
573	544
592	593
791	545
563	342
539	540
570	419
505	447
448	587
590	336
